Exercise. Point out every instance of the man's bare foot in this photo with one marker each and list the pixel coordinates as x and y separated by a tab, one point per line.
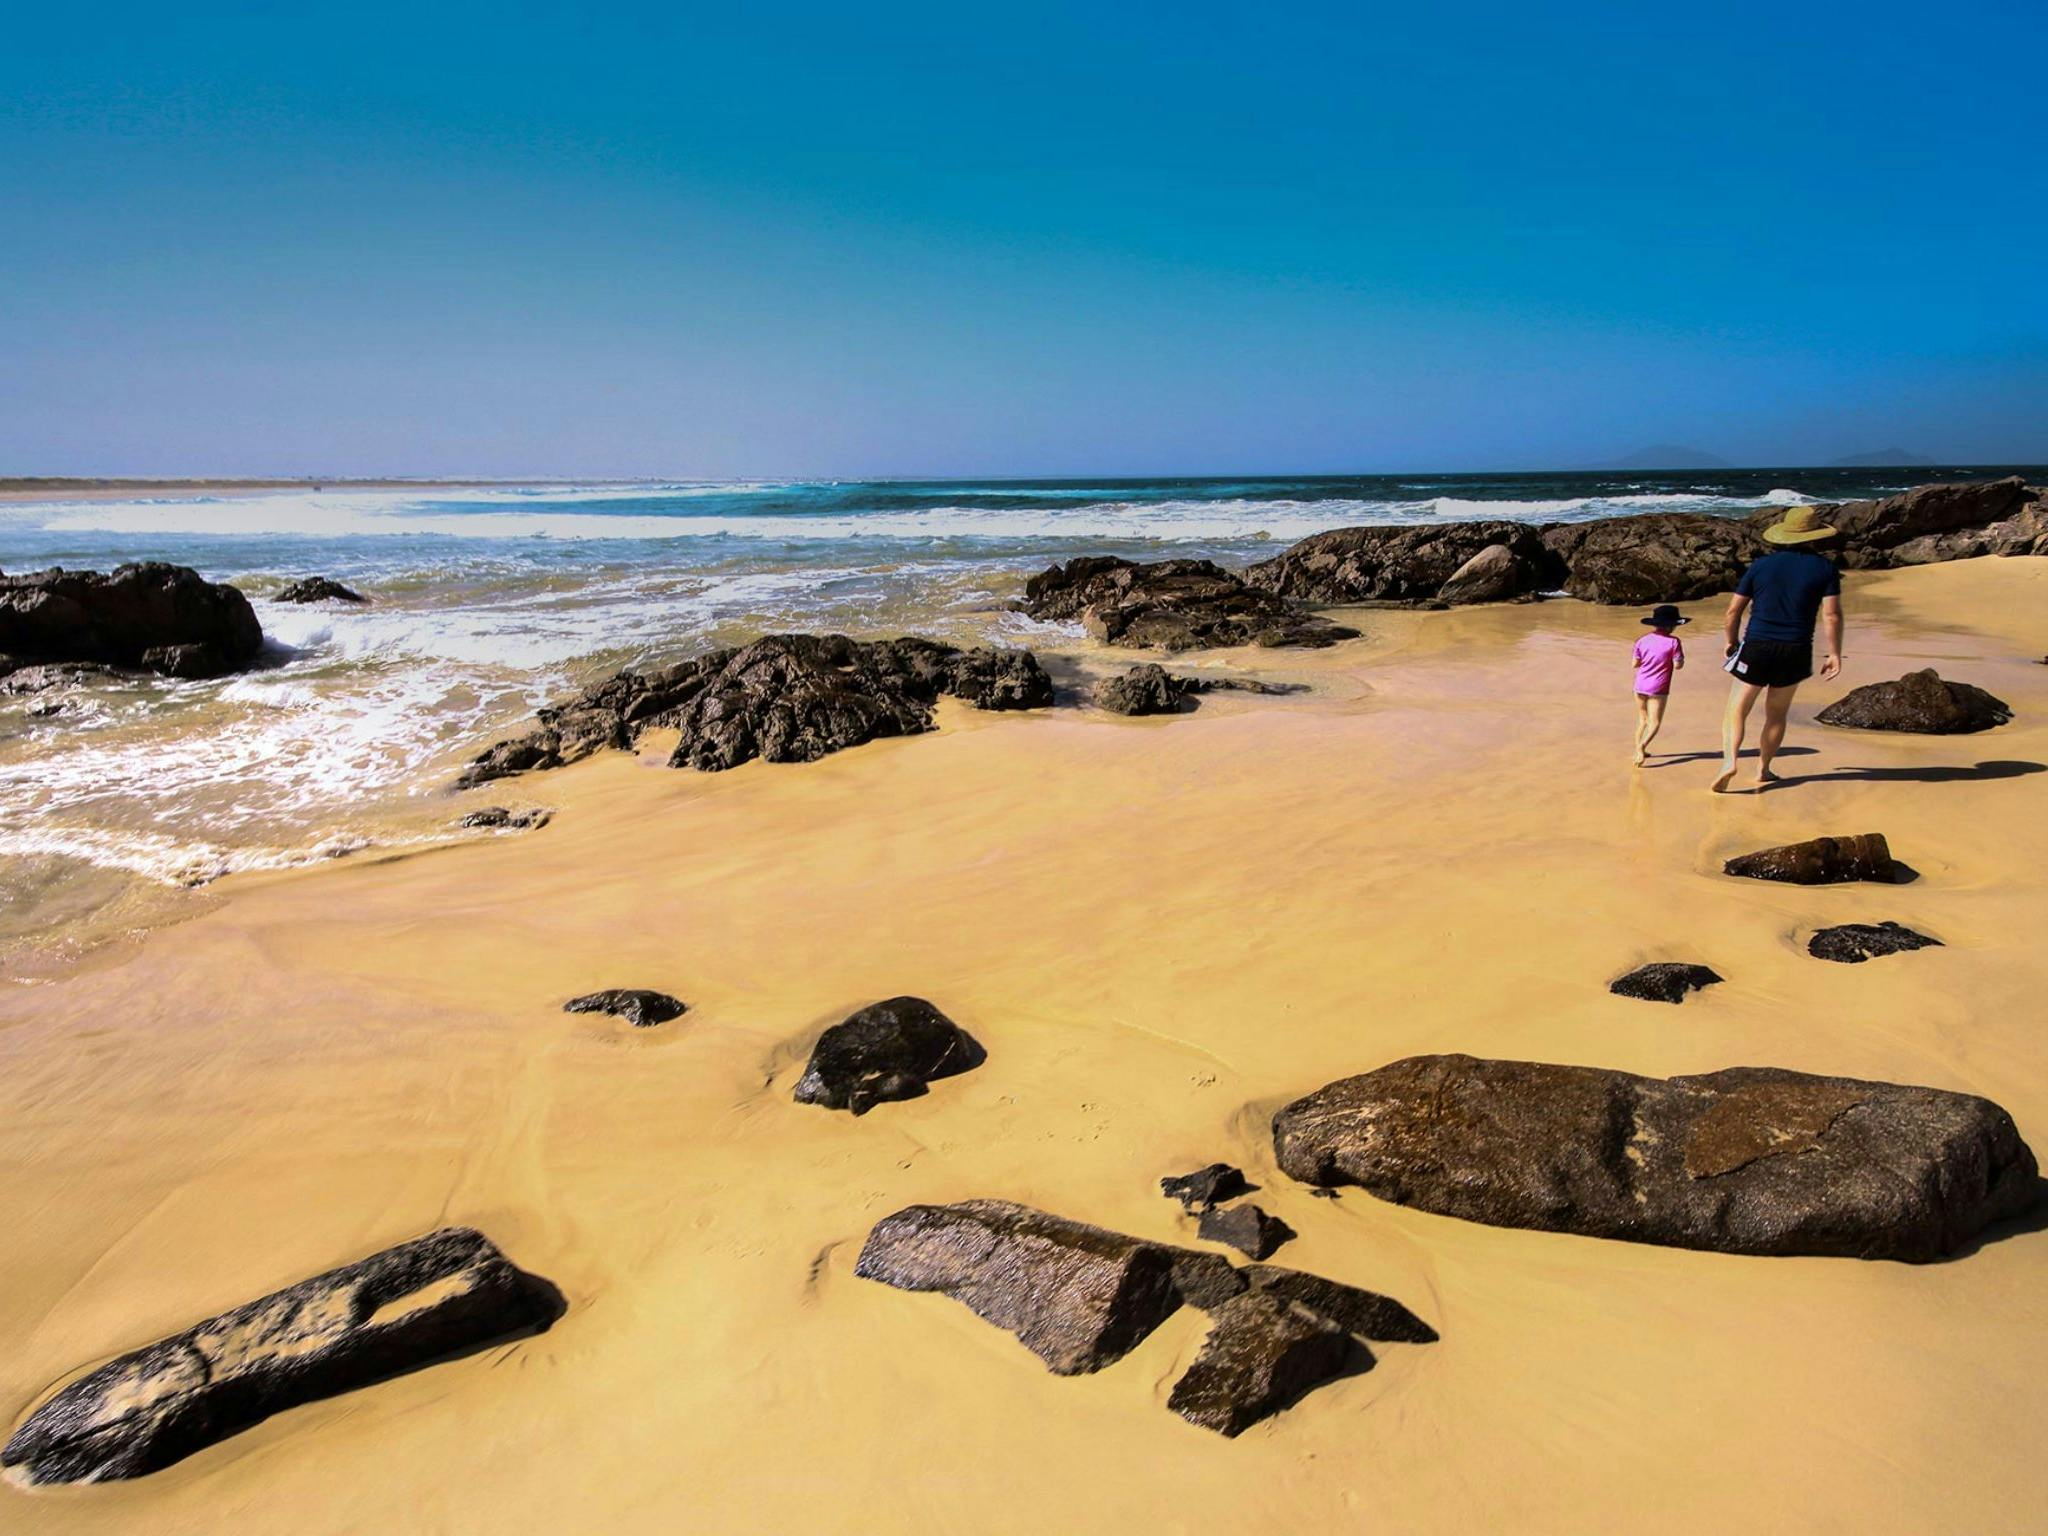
1724	778
1765	778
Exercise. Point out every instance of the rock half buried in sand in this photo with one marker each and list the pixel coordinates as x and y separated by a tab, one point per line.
1205	1187
319	589
403	1308
1144	690
1667	981
1746	1160
1365	1315
1261	1356
1177	605
1853	943
1246	1228
638	1006
887	1051
1922	702
1820	861
496	818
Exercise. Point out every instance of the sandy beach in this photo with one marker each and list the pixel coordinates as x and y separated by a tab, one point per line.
1161	930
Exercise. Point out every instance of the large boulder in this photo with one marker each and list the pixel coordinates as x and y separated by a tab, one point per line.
398	1310
784	699
1820	861
887	1051
1652	557
149	617
1176	605
1934	522
1747	1160
1411	563
1922	702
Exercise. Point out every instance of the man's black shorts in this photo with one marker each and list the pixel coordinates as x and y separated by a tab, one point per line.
1772	663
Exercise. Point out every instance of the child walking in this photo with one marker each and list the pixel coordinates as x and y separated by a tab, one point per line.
1658	654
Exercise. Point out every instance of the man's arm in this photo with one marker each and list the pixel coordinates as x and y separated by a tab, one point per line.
1731	626
1831	628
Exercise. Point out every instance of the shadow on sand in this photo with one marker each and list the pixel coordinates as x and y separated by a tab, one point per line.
1976	774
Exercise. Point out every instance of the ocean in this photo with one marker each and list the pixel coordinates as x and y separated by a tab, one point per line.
486	602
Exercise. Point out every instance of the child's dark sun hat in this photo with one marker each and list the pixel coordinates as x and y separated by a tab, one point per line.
1665	616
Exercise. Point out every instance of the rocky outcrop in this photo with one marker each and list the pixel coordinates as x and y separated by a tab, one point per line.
885	1052
1654	557
498	818
1410	563
1749	1160
638	1006
1922	702
1854	943
1247	1228
1260	1357
1176	605
149	617
406	1307
319	589
1205	1187
784	699
1666	981
1820	861
1931	523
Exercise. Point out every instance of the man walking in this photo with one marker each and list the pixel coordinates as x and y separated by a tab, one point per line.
1783	593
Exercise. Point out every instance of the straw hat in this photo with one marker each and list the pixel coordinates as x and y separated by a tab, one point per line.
1799	525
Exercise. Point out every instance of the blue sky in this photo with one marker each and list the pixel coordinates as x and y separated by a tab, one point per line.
1005	239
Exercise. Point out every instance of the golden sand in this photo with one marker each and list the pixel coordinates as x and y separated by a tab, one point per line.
1160	930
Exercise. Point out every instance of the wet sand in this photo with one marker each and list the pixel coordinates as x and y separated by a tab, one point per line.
1160	930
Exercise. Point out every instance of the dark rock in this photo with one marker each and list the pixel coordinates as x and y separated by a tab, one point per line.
53	675
1936	522
636	1005
1747	1160
1655	557
406	1307
497	818
319	589
1246	1228
1079	1297
1177	605
1411	563
1144	690
885	1052
784	698
1820	861
152	617
1667	981
1921	702
1260	1357
1854	943
1205	1187
1365	1315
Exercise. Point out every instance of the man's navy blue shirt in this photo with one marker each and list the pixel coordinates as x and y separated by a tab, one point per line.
1785	591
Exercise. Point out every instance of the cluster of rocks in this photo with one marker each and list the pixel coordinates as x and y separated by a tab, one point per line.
1643	558
449	1293
1747	1160
1175	605
1149	689
783	698
147	617
1205	1193
1082	1297
1922	702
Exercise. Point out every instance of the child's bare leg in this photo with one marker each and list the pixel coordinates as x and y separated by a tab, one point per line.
1655	723
1642	725
1742	698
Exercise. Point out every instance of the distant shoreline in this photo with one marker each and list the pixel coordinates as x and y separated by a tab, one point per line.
99	488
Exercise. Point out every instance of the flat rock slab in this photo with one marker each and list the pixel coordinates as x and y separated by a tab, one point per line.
638	1006
1821	861
1247	1228
496	818
1747	1160
1921	702
887	1051
395	1311
1666	981
1853	943
1205	1187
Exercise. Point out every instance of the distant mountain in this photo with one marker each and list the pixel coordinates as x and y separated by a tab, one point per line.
1667	456
1883	458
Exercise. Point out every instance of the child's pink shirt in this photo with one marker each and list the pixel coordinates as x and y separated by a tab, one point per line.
1656	655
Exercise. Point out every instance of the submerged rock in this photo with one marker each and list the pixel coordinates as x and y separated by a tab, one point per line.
48	677
149	617
1820	861
784	699
1667	981
1205	1187
1854	943
319	589
1247	1228
1177	605
406	1307
1261	1356
1921	702
638	1006
1747	1160
497	818
887	1051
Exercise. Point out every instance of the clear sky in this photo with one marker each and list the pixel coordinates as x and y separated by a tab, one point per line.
879	239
